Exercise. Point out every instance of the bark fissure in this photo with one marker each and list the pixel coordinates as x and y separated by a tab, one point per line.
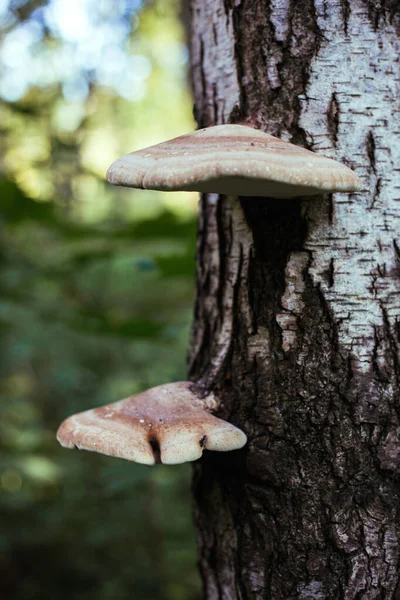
333	116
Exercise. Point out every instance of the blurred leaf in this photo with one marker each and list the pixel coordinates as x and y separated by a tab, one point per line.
176	266
16	207
165	225
99	325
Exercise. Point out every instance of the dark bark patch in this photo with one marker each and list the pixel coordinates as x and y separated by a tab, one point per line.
278	226
215	37
381	10
198	111
396	250
331	209
333	115
222	249
329	273
376	193
371	147
393	347
346	15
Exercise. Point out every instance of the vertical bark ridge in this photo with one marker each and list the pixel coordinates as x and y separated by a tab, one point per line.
224	250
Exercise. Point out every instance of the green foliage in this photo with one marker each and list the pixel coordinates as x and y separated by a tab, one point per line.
15	207
89	318
97	291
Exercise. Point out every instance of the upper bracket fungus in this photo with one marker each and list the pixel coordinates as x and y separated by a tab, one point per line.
167	424
232	160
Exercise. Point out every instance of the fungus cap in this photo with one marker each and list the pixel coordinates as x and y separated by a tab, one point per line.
232	159
167	424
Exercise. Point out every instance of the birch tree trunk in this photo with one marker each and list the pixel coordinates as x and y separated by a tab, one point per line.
297	319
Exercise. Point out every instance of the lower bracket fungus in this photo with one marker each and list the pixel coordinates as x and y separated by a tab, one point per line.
167	424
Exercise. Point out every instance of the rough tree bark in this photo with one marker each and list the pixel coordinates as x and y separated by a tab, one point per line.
297	319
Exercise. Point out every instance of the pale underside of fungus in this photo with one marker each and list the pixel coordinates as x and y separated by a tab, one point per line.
167	424
232	160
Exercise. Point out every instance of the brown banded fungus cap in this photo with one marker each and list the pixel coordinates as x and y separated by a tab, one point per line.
236	160
167	424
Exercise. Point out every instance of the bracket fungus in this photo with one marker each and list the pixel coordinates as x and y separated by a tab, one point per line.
233	160
167	424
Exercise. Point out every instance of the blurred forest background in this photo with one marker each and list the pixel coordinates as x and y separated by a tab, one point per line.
97	286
